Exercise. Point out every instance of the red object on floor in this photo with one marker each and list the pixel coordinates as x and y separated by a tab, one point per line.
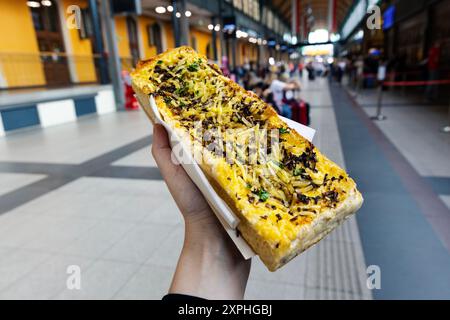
300	111
130	100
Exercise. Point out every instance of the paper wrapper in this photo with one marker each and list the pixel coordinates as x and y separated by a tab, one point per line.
225	215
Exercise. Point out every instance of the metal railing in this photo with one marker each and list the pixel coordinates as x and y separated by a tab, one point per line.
19	69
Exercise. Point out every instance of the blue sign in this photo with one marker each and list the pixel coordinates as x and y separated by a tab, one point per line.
388	17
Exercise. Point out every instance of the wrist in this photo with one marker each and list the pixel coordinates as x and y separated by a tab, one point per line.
207	270
210	265
205	233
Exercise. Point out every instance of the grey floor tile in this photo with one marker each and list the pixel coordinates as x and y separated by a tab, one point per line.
292	273
138	244
98	239
17	263
74	142
12	181
139	208
405	126
24	228
57	232
11	222
46	280
140	158
149	282
101	280
260	290
321	294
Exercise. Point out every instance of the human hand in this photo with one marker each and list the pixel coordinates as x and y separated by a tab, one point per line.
210	266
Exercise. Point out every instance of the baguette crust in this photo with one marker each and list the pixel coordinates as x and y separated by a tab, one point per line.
304	234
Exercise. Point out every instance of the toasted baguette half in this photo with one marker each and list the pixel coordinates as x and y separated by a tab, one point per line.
288	197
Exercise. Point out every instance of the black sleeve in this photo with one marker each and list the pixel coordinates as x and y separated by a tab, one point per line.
181	297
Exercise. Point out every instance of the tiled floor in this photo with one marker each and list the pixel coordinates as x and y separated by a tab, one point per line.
414	129
124	231
13	181
404	224
77	142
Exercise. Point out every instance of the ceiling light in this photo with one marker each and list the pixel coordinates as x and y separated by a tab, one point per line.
264	42
217	27
169	8
188	13
178	15
241	34
33	4
334	37
160	10
210	26
46	3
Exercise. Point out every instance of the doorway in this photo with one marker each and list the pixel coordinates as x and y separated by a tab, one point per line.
155	36
133	40
51	44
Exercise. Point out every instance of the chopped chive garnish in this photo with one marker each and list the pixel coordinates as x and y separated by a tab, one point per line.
263	195
193	67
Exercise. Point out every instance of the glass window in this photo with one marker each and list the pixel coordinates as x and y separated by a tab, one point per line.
154	36
37	20
269	19
263	16
237	4
45	18
256	10
245	6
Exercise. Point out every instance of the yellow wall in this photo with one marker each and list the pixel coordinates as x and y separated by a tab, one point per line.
247	52
203	39
81	48
143	23
122	43
122	37
20	64
170	39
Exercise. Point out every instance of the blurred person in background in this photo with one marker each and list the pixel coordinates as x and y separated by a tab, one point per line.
300	67
339	70
371	64
359	72
311	72
432	62
278	86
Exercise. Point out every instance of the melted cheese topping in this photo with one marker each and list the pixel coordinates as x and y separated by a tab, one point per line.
279	190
